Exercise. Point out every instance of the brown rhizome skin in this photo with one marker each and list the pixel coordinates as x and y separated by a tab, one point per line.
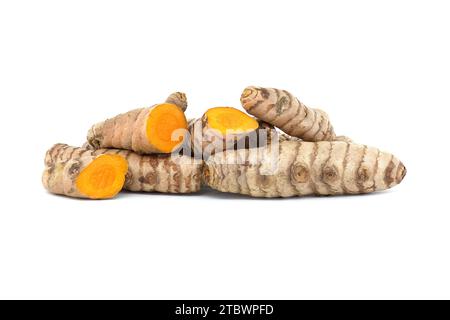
156	129
281	109
147	173
299	168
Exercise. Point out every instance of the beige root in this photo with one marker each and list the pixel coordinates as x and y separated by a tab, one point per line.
285	137
147	173
281	109
157	129
90	176
298	168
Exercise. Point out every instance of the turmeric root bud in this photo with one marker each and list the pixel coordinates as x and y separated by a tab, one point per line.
93	177
179	99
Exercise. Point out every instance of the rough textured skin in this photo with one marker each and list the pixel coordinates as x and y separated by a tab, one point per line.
179	99
148	173
285	137
304	168
344	139
60	176
124	131
195	142
128	130
281	109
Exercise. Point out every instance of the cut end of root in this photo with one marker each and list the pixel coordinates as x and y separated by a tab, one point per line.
103	178
166	127
229	120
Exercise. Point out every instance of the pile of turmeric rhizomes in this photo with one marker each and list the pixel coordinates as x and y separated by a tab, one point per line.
156	149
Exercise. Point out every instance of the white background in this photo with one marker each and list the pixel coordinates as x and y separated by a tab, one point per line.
379	68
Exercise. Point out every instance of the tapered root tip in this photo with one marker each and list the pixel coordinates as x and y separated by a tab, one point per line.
401	172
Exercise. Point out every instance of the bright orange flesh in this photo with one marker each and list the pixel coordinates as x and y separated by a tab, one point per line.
103	178
165	120
229	120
